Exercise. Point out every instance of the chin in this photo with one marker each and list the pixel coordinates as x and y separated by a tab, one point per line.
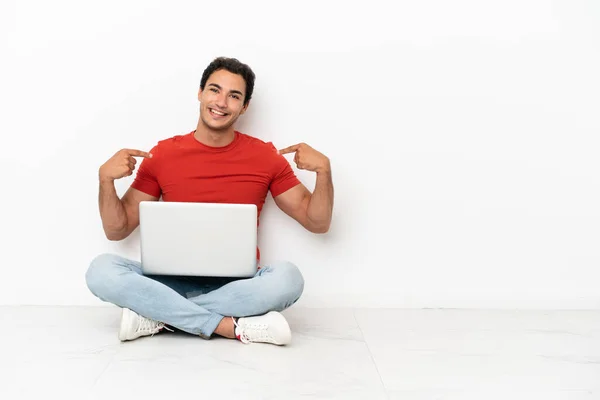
220	127
216	126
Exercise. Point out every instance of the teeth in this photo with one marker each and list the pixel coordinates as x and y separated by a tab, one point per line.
217	112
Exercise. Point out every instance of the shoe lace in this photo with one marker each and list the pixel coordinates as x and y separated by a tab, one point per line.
147	325
254	332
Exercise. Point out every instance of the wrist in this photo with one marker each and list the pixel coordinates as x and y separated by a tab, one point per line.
324	169
106	181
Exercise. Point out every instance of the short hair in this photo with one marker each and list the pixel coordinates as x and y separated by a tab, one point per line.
235	67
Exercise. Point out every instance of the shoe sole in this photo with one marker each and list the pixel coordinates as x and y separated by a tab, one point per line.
125	327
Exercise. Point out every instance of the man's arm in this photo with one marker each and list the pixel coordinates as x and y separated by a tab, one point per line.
120	216
312	210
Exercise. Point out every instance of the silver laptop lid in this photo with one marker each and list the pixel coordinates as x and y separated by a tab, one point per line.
198	239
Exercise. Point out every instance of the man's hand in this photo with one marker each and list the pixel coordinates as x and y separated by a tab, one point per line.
121	164
308	158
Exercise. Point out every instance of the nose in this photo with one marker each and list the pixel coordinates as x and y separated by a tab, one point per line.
222	100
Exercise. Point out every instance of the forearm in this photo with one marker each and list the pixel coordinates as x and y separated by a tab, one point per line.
320	205
112	211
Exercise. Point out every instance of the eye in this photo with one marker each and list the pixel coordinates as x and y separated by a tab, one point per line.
236	96
214	90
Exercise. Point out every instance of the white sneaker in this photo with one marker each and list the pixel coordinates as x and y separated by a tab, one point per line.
134	325
269	328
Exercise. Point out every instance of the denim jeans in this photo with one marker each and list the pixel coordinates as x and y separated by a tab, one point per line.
193	304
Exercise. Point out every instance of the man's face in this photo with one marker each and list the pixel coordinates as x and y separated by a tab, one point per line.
222	100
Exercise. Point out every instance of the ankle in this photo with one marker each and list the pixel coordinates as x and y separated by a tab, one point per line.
226	328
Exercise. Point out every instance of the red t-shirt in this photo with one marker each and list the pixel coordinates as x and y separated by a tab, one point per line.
183	169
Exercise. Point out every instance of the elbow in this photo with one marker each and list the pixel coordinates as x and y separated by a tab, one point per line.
320	229
115	236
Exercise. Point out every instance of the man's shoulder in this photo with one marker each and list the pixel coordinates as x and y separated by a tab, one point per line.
258	145
168	145
172	141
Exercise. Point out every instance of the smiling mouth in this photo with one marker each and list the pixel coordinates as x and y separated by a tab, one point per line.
216	113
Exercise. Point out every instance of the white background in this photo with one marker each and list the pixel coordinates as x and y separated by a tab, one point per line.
463	137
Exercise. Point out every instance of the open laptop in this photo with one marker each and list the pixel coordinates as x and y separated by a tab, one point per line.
198	239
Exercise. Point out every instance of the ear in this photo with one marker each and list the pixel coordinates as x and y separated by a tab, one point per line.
199	95
244	108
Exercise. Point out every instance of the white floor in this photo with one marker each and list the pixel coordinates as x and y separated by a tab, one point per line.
73	352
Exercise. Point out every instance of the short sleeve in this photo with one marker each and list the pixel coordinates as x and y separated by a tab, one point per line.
146	180
284	177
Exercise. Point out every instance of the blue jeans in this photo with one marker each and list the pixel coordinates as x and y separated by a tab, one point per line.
193	304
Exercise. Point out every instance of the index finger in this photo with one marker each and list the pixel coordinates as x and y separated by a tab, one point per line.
138	153
290	149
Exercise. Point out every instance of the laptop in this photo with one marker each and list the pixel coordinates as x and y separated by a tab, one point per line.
198	239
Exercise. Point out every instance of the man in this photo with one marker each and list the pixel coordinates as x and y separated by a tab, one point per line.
213	163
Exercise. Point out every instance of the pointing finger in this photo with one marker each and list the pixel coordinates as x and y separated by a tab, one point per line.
290	149
138	153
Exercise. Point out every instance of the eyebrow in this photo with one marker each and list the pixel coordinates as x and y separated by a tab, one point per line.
220	88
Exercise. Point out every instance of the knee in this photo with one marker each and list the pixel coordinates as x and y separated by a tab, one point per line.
97	276
289	280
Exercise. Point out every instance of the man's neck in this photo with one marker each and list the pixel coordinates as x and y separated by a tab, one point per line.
212	138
